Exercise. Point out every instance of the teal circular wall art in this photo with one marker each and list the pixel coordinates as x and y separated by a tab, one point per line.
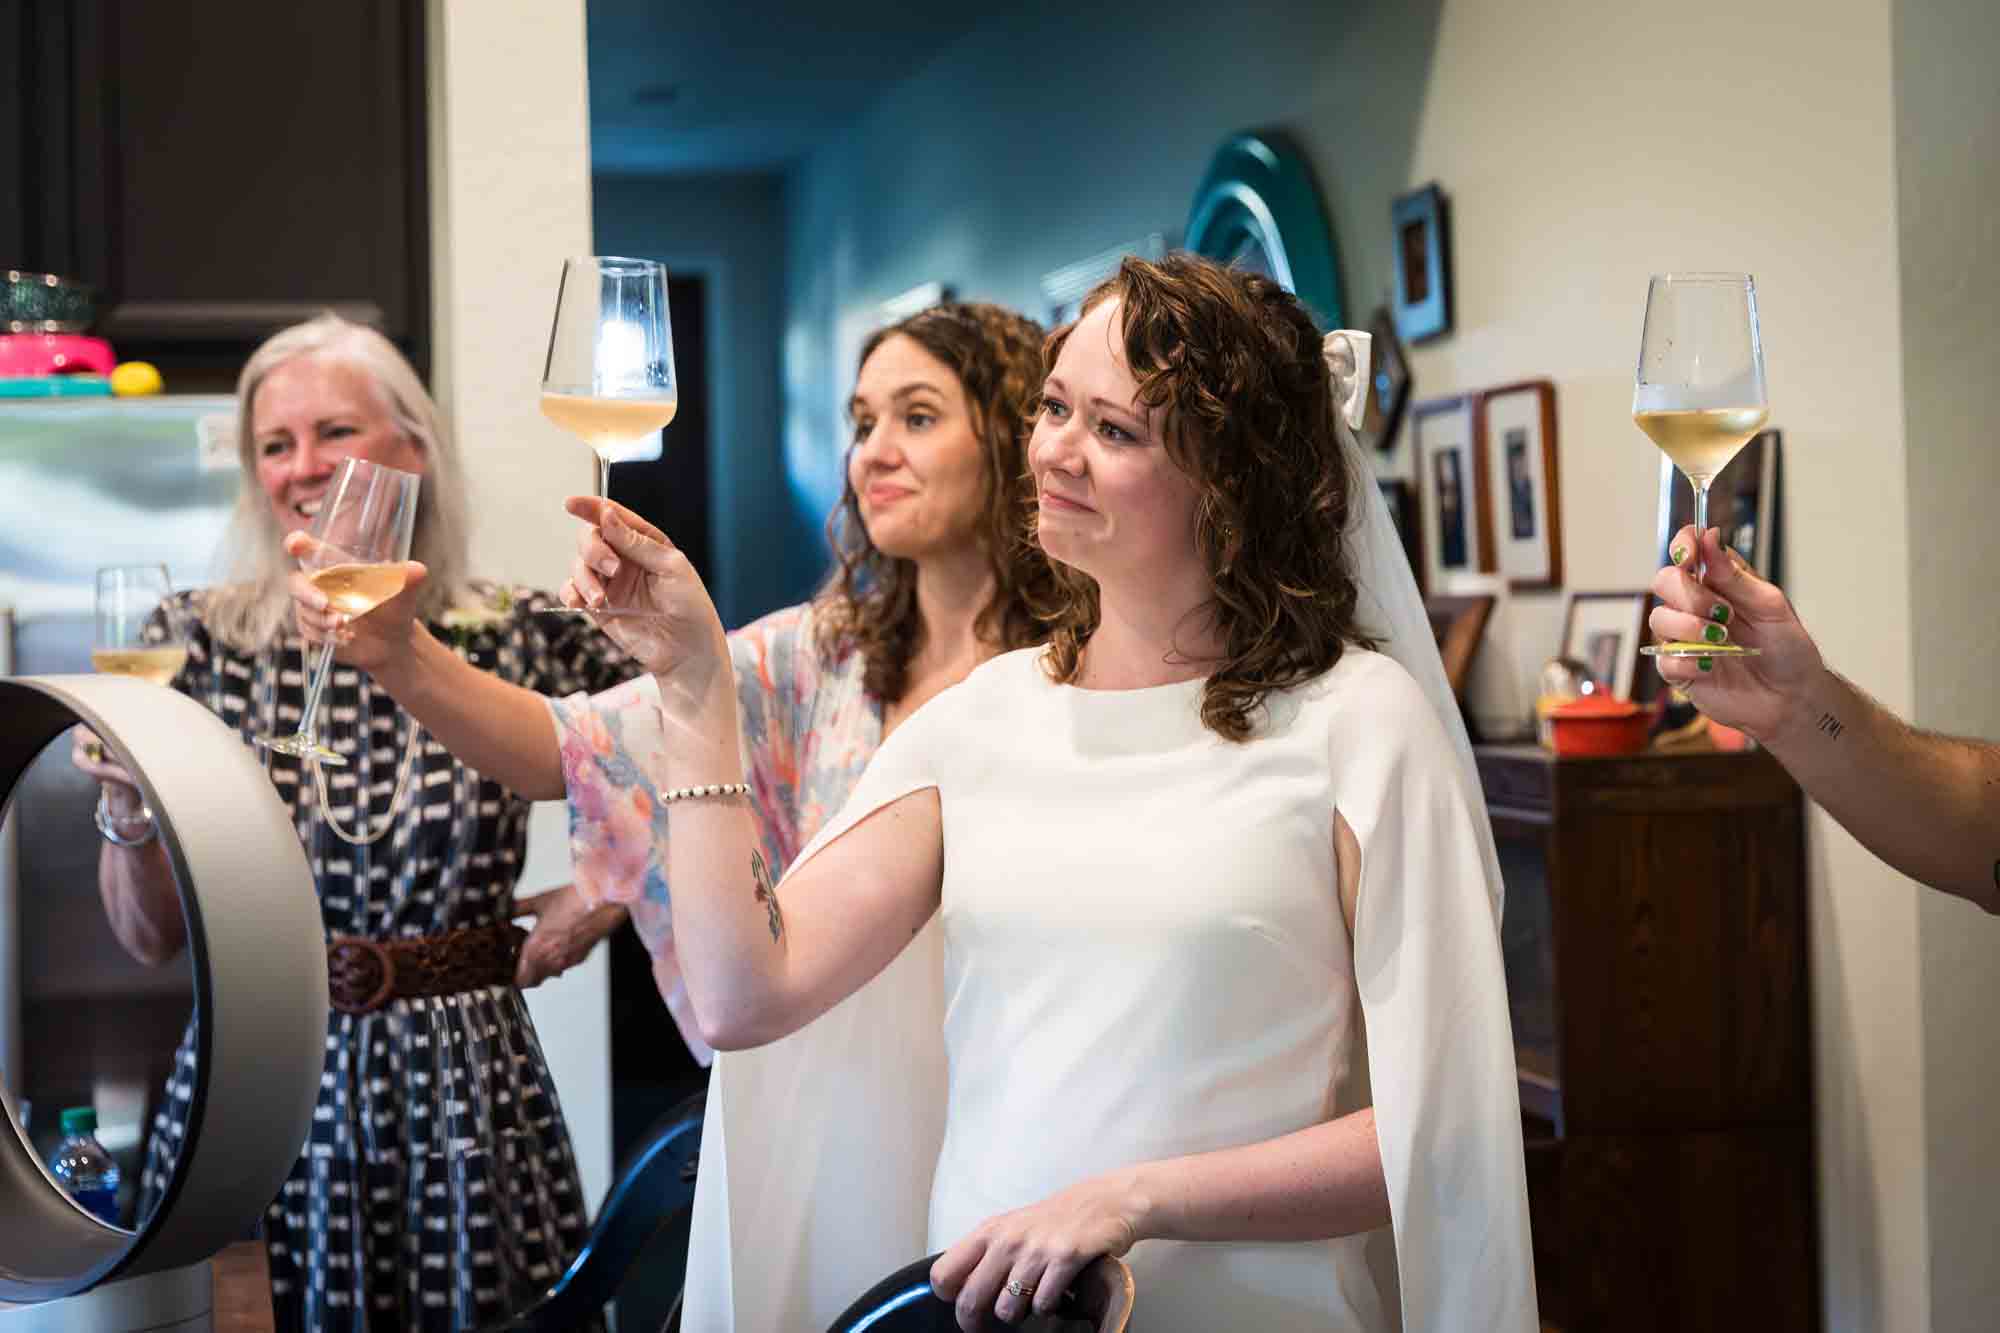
1258	207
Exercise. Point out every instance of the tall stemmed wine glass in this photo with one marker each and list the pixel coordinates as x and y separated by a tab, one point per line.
1699	393
128	596
609	379
361	537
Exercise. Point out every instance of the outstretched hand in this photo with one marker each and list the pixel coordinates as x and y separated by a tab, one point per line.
370	641
1760	695
646	594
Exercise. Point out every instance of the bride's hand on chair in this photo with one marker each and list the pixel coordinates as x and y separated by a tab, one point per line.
1028	1258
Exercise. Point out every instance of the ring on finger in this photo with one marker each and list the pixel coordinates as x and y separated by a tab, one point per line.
94	751
1020	1288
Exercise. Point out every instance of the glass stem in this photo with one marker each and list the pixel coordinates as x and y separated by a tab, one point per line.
1700	528
323	668
603	473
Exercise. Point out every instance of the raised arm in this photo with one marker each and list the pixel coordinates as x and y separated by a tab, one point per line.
1927	804
760	959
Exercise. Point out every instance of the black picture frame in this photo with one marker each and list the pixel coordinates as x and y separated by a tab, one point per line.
1389	383
1401	498
1421	235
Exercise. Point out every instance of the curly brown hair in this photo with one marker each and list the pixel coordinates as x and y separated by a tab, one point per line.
1231	361
869	600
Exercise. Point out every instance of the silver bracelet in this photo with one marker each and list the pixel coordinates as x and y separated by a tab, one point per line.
709	789
107	824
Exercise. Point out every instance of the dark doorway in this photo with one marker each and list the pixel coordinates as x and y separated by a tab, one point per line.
651	1069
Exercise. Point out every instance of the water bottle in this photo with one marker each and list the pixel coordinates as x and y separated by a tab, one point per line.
83	1168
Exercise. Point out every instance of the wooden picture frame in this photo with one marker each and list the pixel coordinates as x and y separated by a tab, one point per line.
1459	622
1421	226
1521	500
1604	630
1452	537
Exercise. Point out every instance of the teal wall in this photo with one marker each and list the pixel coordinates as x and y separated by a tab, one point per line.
1048	135
730	230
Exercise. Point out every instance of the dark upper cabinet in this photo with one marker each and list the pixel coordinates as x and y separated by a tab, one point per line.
222	169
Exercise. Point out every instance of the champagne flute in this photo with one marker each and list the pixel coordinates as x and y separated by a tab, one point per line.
127	597
1699	394
361	537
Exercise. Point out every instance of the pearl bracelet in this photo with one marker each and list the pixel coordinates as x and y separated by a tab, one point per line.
708	789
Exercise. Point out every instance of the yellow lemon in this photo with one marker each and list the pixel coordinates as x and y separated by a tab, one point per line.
135	377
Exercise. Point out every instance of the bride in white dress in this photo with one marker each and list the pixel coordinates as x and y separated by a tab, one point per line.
1222	984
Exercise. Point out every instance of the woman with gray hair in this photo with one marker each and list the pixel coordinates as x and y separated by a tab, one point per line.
438	1189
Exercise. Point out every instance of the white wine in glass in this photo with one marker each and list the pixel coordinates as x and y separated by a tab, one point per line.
1699	395
609	377
360	539
128	597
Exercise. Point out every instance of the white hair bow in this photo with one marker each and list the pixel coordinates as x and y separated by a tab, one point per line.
1347	353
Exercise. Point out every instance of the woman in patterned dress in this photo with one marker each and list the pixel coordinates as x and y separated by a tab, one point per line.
437	1189
930	581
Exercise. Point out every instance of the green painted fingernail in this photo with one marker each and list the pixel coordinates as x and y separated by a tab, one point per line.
1714	633
1706	664
1679	555
1719	613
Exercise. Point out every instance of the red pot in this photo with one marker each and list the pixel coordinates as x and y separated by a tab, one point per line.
1597	724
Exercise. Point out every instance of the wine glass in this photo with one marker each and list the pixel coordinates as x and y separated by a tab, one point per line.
1699	393
127	598
609	379
361	537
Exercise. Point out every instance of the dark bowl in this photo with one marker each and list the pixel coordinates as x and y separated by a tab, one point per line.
45	303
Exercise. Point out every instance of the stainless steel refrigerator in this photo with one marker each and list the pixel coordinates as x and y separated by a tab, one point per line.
86	483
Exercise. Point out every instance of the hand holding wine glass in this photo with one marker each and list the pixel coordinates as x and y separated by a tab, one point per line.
355	557
645	594
1699	394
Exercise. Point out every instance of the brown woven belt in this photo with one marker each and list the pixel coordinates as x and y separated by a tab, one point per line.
363	975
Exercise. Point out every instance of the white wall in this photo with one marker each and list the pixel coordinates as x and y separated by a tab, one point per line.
1948	142
510	199
1583	145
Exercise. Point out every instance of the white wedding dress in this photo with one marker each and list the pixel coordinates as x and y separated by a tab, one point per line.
1140	954
1144	957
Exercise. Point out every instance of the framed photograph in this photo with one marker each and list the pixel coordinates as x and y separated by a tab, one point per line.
1603	630
1743	501
1063	289
1403	513
1422	227
1458	623
1451	534
1523	508
1388	383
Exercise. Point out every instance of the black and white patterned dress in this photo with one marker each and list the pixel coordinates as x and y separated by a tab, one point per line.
438	1190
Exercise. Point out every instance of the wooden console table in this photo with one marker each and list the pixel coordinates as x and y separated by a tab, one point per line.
1655	940
243	1289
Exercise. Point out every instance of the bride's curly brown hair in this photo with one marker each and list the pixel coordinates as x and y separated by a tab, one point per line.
869	600
1231	362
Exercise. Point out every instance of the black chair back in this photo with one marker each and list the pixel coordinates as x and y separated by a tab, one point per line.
903	1302
655	1182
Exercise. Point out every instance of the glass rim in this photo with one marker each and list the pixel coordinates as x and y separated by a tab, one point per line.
351	464
619	265
1716	279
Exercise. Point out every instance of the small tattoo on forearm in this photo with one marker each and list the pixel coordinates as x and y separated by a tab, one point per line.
767	893
1831	725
